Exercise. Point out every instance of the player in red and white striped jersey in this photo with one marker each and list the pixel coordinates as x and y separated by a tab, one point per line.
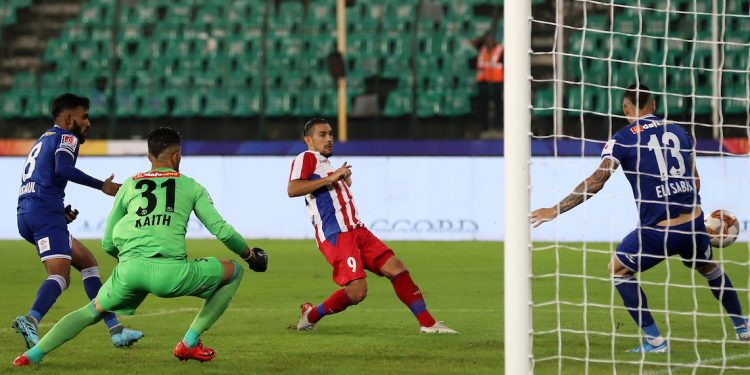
347	245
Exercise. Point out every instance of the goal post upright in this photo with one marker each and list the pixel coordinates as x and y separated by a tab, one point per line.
517	253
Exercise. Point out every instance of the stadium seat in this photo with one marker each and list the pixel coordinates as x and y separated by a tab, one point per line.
11	105
399	103
456	103
188	104
278	103
544	101
126	104
246	103
217	103
153	104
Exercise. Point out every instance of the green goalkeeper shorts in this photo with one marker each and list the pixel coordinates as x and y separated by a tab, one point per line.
132	280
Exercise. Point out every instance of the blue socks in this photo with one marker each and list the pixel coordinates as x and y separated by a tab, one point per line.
47	295
723	290
91	284
637	306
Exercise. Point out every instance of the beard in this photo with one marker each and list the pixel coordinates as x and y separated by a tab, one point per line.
327	154
76	129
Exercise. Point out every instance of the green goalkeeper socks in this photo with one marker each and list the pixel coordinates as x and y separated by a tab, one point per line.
213	308
67	328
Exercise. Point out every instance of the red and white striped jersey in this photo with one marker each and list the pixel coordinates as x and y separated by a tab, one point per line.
331	207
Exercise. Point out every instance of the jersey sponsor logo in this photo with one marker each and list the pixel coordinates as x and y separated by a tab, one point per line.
156	174
43	244
68	142
639	128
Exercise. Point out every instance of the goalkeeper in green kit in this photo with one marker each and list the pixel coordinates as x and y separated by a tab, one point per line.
146	233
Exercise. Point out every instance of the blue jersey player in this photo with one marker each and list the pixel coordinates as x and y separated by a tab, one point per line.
658	160
43	218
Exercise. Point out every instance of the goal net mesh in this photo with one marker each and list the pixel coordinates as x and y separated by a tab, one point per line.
694	55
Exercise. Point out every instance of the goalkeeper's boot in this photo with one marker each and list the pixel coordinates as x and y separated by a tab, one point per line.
742	332
438	327
646	347
21	361
198	352
304	324
27	329
126	338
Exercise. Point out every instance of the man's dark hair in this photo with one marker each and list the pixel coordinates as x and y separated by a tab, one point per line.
638	95
161	139
311	123
67	101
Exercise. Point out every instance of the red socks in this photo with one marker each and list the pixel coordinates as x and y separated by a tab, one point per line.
406	290
337	302
411	296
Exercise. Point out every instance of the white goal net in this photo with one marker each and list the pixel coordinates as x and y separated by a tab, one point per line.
694	55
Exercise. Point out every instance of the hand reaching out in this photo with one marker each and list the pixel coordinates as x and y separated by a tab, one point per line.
542	215
110	188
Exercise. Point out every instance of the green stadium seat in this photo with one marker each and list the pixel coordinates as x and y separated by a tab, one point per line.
10	105
25	81
544	102
735	98
218	103
153	104
674	104
457	103
312	103
246	103
126	104
35	107
399	103
188	104
278	103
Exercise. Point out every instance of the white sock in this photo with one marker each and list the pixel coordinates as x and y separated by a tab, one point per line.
656	341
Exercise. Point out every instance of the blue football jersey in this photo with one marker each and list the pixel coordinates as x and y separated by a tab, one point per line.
656	157
41	190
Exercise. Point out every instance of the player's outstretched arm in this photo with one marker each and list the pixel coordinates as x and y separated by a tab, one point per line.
586	189
110	188
118	211
210	217
301	187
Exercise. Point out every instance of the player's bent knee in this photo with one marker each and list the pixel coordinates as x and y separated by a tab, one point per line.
356	291
237	272
711	271
616	268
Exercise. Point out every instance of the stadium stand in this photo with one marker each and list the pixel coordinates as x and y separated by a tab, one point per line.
245	57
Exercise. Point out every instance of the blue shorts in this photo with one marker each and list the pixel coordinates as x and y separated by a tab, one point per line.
49	233
689	240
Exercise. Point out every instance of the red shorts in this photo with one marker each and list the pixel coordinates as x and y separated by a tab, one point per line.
355	251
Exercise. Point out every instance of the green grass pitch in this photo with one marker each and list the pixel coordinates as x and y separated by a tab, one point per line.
462	283
603	321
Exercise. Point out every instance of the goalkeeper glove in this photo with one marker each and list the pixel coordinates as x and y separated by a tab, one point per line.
257	260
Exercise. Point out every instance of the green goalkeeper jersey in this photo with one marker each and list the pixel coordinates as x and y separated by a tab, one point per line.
150	217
